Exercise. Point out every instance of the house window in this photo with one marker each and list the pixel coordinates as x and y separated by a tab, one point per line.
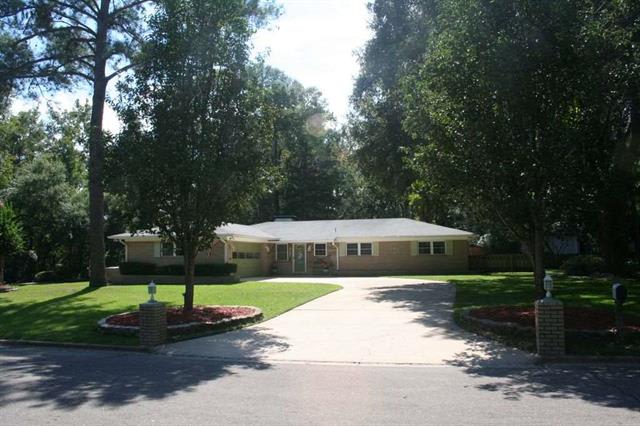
167	250
365	249
281	252
438	247
245	255
352	249
424	247
359	249
320	250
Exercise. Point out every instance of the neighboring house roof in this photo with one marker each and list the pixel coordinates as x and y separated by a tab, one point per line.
325	230
358	229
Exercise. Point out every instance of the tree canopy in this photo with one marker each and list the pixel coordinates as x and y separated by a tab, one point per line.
60	43
194	149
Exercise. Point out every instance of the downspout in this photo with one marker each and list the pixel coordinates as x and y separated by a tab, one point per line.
335	244
126	250
225	240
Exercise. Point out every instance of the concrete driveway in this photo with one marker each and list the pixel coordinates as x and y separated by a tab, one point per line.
370	321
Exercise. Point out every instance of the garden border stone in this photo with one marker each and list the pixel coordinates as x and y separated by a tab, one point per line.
256	315
466	315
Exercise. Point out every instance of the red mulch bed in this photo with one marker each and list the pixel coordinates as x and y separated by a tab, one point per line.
175	316
574	318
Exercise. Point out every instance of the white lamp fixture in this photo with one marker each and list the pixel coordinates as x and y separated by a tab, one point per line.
151	289
548	284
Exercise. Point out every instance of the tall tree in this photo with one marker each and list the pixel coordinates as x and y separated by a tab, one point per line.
10	236
63	42
400	29
52	212
194	146
502	108
303	152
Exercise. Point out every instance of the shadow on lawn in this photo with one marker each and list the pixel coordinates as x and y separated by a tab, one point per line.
66	318
68	379
510	371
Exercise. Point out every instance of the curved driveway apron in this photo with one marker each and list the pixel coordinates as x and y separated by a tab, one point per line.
371	320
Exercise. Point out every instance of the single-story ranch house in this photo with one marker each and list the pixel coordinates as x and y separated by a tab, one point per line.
345	247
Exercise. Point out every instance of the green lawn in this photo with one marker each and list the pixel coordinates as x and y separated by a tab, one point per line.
68	312
517	289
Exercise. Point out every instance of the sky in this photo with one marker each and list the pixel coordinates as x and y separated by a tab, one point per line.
313	41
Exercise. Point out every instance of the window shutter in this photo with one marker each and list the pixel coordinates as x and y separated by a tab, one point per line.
342	249
448	248
374	248
156	249
414	248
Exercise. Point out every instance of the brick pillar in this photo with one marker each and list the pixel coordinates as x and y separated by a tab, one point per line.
153	324
550	327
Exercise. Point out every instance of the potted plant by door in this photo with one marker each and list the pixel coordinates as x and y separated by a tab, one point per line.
274	268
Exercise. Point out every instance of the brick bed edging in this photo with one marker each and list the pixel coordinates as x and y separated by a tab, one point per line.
490	324
130	330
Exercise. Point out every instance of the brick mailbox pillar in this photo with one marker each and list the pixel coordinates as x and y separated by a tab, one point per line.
153	324
550	327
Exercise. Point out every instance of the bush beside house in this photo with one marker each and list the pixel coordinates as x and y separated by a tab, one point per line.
205	269
583	265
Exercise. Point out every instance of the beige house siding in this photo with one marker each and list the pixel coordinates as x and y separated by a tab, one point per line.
396	257
392	257
145	252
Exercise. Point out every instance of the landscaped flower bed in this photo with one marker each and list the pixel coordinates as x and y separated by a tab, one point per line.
202	317
579	319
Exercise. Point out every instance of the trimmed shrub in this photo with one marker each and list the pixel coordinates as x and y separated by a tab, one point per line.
206	269
45	277
584	265
215	269
170	270
137	268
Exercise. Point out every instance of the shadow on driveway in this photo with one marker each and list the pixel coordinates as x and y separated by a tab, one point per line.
611	385
67	379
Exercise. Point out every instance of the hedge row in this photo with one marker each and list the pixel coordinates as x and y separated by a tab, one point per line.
205	269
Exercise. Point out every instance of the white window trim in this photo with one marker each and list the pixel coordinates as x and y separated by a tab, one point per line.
315	250
445	248
430	248
173	251
359	249
286	250
431	251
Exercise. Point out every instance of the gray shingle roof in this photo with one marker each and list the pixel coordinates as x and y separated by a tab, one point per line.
327	230
235	229
337	230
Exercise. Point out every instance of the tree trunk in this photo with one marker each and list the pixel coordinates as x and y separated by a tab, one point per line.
538	259
1	270
96	154
189	273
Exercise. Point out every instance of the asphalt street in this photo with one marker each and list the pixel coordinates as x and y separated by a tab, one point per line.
41	385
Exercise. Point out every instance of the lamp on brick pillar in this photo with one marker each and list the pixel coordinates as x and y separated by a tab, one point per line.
548	284
151	289
153	320
549	323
